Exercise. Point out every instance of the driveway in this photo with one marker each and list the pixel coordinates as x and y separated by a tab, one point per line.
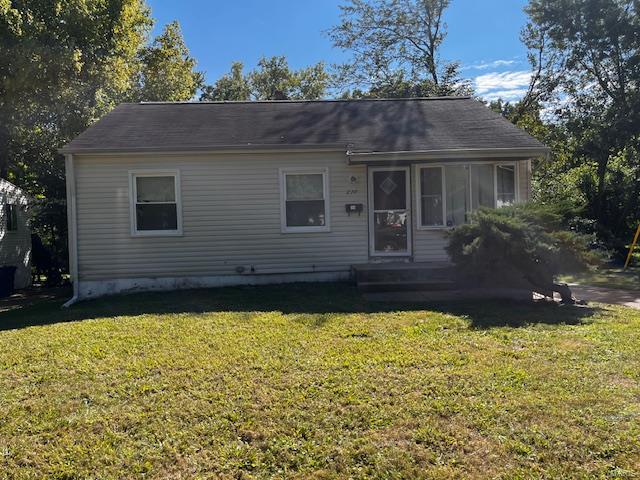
628	298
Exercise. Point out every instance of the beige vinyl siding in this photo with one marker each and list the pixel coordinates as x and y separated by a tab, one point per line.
429	245
231	217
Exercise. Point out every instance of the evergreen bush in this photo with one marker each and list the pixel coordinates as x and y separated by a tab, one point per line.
522	246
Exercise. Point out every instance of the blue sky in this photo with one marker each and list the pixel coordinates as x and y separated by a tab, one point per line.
483	36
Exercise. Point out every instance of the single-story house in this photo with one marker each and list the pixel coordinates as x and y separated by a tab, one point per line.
176	195
15	235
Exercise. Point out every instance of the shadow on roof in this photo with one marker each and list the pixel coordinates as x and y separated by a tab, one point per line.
375	126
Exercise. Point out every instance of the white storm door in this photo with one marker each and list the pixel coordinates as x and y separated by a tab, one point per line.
389	211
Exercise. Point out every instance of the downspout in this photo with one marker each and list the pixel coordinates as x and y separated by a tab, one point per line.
72	228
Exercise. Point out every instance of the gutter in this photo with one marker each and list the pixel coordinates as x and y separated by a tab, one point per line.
356	157
72	222
176	149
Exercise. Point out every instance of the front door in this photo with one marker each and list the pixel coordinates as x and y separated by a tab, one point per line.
389	212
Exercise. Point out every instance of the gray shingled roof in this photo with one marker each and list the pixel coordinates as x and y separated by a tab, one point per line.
358	125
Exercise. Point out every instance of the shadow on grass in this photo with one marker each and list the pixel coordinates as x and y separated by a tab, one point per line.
510	313
310	298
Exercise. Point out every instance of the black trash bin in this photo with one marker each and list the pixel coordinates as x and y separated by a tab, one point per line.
7	275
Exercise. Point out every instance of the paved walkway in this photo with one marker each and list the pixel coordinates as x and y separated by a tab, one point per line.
628	298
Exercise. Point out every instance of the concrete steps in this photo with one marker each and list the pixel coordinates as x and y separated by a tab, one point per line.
404	277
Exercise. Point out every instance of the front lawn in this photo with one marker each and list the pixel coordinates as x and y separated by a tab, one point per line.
310	381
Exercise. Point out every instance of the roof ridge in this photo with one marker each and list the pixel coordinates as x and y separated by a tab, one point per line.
329	100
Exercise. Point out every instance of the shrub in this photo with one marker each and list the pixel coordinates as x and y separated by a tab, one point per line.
523	246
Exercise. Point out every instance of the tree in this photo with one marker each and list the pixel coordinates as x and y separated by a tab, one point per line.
273	79
396	42
231	86
589	69
62	66
398	86
167	72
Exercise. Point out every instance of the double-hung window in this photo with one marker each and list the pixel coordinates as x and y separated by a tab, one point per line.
304	204
447	194
11	217
155	203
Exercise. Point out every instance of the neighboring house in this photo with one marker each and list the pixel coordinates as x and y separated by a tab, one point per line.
15	236
173	195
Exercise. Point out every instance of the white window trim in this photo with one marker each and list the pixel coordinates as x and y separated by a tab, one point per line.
133	174
283	172
418	192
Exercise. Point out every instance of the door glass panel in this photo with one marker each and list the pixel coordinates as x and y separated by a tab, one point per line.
456	180
390	231
390	190
482	186
390	216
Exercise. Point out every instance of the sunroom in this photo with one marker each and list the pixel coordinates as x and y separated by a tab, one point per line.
446	194
407	199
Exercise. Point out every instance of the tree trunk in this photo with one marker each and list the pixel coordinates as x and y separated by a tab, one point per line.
603	163
4	152
565	293
547	288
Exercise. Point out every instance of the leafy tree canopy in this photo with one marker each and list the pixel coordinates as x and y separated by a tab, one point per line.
395	45
273	79
585	57
64	65
231	86
168	72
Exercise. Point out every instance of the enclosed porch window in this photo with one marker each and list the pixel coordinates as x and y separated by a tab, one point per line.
447	194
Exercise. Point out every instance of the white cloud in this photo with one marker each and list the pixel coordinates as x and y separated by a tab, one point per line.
505	85
507	95
486	65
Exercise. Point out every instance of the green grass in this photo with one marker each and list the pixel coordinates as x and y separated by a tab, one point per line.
310	381
607	277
